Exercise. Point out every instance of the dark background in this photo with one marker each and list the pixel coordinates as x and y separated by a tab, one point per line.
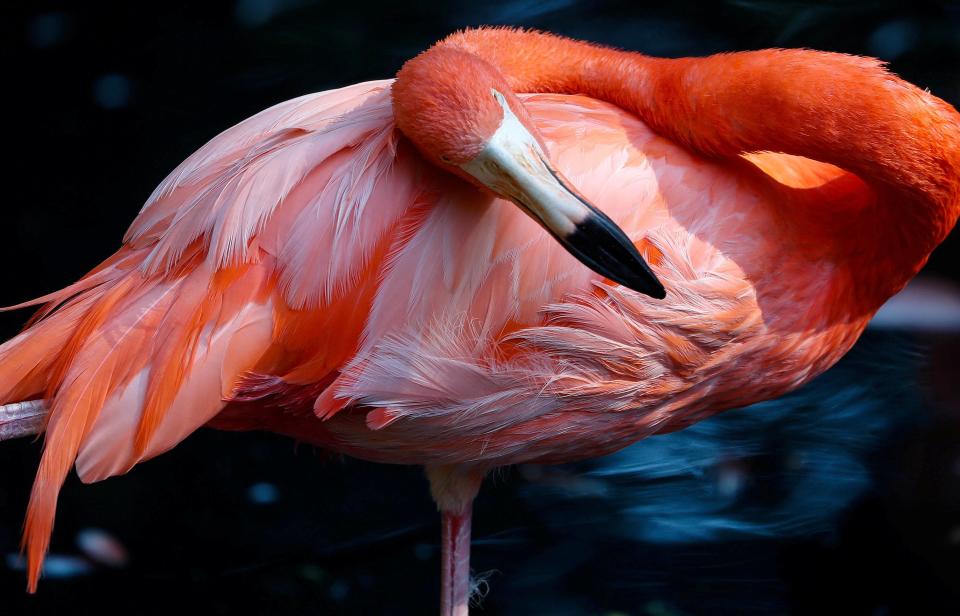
844	498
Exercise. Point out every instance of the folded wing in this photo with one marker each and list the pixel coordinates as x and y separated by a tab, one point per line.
238	263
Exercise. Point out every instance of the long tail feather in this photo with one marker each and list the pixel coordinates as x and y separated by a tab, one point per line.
89	369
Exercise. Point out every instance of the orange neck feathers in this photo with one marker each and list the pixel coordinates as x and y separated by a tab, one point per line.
844	110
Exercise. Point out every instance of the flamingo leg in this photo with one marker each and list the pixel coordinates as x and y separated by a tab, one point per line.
454	488
22	419
455	562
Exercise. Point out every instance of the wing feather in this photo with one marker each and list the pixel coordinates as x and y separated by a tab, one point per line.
238	264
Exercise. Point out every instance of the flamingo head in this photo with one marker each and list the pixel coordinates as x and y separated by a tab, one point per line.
444	104
462	115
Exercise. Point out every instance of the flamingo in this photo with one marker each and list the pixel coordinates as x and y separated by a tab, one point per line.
419	271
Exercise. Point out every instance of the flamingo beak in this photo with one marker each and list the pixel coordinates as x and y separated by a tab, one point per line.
514	166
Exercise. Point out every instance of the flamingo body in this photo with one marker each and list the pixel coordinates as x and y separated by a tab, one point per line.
311	272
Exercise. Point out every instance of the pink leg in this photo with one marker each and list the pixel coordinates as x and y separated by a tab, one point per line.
22	419
454	488
455	573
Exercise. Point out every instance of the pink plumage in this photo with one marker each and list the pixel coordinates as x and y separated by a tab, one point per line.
313	272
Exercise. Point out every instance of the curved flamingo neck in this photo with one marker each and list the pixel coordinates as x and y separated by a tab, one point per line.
844	110
534	62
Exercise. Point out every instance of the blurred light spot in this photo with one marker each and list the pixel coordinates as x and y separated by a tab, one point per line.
254	13
339	590
47	30
102	547
730	480
313	573
263	493
56	566
112	91
893	39
423	551
59	566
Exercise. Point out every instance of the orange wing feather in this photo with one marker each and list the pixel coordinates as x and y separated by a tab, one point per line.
154	342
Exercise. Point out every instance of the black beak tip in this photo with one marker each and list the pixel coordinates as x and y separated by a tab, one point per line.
640	279
603	247
656	292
